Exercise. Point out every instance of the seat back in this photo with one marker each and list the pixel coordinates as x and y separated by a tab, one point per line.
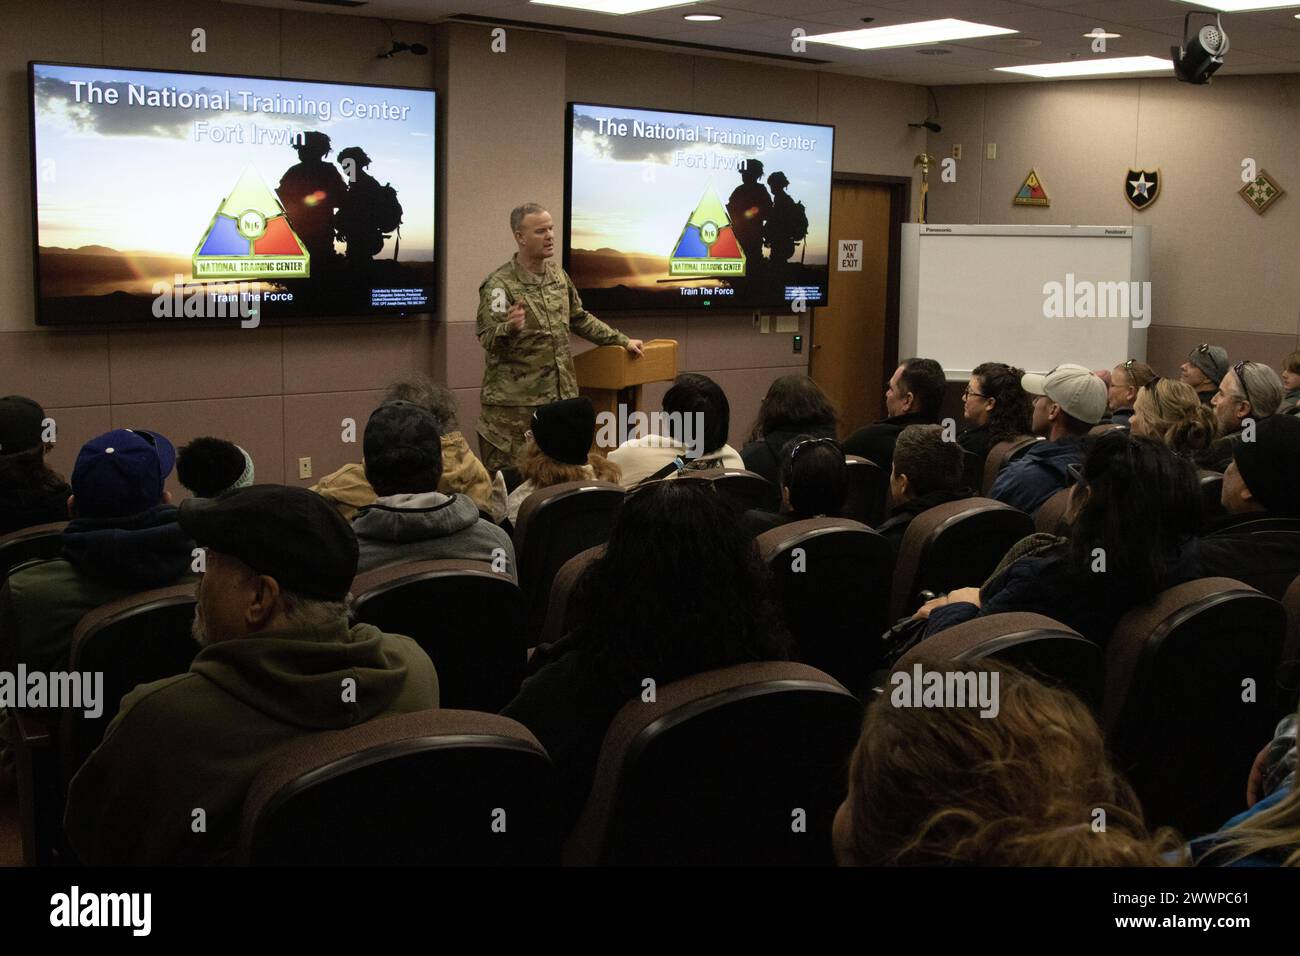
1050	517
27	544
467	617
131	641
868	490
832	578
953	545
746	489
559	617
1189	698
554	524
739	766
445	787
1001	455
1291	601
1211	484
1045	648
1105	427
1256	525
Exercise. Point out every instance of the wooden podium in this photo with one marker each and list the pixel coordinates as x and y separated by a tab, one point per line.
609	375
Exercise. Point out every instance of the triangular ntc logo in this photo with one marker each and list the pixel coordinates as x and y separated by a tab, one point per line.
250	237
707	245
1141	187
1032	192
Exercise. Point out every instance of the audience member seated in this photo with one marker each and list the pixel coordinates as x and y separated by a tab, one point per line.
462	473
1169	410
1291	382
927	471
1069	400
30	492
680	590
1248	391
278	661
960	786
814	482
1263	481
794	407
914	397
557	449
411	520
1132	516
123	538
209	467
1122	389
693	400
1268	832
995	409
1204	370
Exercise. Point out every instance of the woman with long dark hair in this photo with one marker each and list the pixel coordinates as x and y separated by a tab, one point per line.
794	407
680	590
995	408
31	493
1133	514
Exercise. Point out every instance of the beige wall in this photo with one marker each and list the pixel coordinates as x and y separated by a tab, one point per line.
1220	272
283	391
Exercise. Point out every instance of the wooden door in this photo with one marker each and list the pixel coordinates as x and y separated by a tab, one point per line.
850	336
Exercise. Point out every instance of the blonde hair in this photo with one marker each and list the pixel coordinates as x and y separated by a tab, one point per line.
1173	412
930	786
543	471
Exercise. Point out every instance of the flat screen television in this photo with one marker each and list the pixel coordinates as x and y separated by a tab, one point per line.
162	196
687	210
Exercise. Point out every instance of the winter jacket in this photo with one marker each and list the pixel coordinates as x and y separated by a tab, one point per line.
1037	474
103	559
23	507
196	741
427	527
763	457
639	458
1043	583
895	526
1266	560
876	442
349	491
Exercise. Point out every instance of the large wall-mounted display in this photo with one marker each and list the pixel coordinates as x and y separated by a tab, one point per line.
170	196
670	210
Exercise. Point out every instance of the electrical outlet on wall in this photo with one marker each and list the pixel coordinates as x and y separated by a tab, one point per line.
992	151
304	467
956	150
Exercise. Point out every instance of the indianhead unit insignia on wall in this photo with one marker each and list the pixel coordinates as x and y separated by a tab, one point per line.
1032	192
1261	192
1141	187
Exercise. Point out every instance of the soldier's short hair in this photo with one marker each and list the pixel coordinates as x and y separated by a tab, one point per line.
519	212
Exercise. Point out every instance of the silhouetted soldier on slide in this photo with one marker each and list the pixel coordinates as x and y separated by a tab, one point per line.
787	223
748	207
368	211
310	192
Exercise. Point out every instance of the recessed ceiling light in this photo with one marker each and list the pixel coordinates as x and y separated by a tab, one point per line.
702	17
909	34
1102	36
1241	6
619	7
1070	68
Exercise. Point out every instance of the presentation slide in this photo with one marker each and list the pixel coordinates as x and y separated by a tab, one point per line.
166	196
669	210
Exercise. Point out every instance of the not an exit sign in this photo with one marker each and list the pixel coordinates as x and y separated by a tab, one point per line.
850	255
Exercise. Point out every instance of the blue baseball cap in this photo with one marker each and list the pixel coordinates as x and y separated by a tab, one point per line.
122	472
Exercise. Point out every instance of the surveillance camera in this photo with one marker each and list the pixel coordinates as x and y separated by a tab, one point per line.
1200	56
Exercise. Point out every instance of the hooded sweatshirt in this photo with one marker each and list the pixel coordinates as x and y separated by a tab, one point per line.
103	559
27	506
429	526
196	741
1037	474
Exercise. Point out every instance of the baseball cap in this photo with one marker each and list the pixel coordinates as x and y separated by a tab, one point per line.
1081	394
565	430
1270	465
290	534
122	472
20	424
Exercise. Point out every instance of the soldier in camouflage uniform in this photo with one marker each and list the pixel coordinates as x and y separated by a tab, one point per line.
526	310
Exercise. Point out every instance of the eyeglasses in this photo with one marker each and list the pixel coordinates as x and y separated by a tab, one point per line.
1203	347
1240	371
969	394
797	450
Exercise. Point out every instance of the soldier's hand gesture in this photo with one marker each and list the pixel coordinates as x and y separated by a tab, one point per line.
516	316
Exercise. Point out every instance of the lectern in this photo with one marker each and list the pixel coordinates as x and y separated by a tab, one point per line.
609	375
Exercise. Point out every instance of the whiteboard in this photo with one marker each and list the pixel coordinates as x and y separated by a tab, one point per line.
974	294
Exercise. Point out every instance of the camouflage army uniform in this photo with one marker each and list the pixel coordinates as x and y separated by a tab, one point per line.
532	366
